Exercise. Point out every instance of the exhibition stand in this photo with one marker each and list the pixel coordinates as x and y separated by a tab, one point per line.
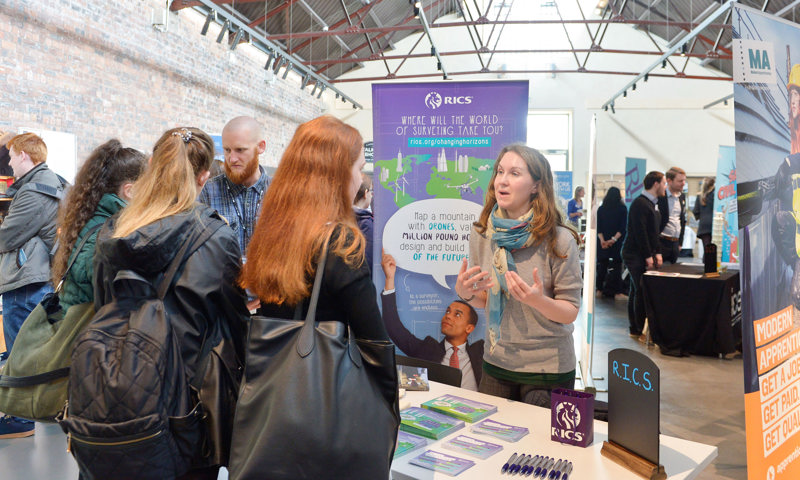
682	459
689	313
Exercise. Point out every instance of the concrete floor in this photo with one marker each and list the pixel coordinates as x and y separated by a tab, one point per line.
702	399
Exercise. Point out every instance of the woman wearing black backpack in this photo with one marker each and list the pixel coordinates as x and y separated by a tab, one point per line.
203	303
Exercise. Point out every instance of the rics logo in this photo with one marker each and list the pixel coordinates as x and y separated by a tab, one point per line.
433	100
568	416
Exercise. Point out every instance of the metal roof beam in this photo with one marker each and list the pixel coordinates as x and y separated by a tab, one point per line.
719	11
259	38
181	4
286	4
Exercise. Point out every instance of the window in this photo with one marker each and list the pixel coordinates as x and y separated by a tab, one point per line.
550	132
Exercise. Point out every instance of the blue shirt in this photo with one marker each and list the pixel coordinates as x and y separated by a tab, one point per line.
239	205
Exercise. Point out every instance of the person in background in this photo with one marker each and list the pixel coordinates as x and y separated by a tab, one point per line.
575	207
704	210
204	300
5	168
526	273
458	322
364	218
103	186
237	195
672	207
27	235
611	225
641	250
324	158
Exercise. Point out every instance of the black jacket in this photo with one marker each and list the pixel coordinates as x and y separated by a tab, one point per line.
641	237
428	349
609	222
346	295
663	207
204	294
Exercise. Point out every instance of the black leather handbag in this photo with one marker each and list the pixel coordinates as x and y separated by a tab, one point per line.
315	402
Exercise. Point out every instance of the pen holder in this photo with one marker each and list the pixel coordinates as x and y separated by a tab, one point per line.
572	417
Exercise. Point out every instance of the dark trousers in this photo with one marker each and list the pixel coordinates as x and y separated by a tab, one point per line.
705	238
609	276
531	394
636	311
669	249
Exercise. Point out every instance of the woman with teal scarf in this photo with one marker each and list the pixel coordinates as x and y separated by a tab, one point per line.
525	272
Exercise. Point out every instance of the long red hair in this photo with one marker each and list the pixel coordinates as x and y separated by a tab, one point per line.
307	198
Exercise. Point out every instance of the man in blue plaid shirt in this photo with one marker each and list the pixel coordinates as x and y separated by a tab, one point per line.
237	194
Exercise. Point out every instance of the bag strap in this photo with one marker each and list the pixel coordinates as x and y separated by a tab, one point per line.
183	254
31	380
76	252
305	343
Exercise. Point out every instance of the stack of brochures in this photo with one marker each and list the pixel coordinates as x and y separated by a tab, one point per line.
460	408
509	433
407	442
472	446
420	421
441	462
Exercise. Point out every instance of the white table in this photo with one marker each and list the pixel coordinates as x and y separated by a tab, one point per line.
682	459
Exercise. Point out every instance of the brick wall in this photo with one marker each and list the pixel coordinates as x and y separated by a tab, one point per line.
98	69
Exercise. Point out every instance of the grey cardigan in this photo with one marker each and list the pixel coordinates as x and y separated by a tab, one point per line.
529	341
29	227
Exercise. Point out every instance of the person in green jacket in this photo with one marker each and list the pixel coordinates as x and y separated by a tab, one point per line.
102	187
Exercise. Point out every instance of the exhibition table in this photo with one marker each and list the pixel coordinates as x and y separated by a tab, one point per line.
692	314
682	459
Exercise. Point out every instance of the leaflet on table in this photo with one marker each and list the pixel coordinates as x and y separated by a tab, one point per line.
662	274
509	433
460	408
413	378
472	446
407	442
441	462
427	423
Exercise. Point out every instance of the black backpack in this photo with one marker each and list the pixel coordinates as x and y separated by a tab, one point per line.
131	412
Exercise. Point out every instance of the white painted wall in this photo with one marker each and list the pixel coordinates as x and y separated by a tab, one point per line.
662	121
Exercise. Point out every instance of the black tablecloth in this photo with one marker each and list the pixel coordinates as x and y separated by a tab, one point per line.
693	315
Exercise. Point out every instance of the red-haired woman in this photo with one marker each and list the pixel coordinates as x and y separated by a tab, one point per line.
309	200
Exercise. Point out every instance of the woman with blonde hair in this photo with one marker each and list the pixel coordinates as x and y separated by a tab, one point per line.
308	208
526	273
203	302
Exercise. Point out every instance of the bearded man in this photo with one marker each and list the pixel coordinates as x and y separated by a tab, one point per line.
237	193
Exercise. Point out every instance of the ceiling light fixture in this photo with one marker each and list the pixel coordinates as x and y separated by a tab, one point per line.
224	29
212	15
286	72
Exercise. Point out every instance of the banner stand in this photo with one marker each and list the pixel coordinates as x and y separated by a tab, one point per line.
632	461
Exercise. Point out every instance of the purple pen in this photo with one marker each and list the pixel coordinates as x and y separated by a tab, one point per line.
518	466
529	466
547	467
509	462
567	471
535	464
540	466
556	469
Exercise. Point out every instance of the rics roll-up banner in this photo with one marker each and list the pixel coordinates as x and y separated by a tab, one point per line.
766	62
435	148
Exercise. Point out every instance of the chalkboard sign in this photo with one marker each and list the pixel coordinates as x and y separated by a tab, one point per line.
633	402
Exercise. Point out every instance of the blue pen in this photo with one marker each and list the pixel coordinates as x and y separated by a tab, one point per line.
533	465
519	464
567	471
540	466
547	467
555	469
509	462
556	472
529	465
